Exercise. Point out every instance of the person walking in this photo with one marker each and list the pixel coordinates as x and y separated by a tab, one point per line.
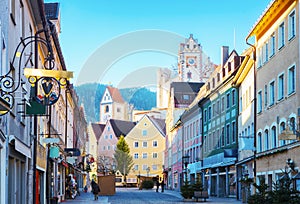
162	185
157	184
95	189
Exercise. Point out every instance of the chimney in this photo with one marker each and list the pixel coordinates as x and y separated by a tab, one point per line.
224	54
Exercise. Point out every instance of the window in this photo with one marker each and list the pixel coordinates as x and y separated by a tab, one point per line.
108	147
280	87
205	115
259	102
186	97
144	132
266	140
136	144
272	45
282	128
136	155
266	52
292	25
110	136
266	95
281	36
189	75
233	131
274	139
222	104
154	144
145	155
106	137
259	142
118	110
227	134
154	167
145	166
106	109
136	167
209	112
154	155
259	63
223	137
228	100
272	93
145	144
233	97
291	80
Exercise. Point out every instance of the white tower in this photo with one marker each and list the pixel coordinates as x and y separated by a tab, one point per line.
193	64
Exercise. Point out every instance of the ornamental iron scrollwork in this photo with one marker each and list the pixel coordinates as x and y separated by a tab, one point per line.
45	80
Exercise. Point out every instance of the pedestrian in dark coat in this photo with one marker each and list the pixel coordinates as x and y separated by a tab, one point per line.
95	189
162	185
157	185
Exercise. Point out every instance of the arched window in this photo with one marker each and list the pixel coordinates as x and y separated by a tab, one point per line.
259	142
274	136
282	128
106	109
266	140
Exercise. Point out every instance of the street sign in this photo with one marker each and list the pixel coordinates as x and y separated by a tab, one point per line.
51	140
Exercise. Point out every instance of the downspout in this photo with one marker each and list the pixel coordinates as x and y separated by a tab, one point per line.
255	107
35	120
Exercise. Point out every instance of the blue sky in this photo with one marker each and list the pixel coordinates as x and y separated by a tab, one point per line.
102	27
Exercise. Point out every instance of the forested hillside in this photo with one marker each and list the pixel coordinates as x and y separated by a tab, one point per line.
91	94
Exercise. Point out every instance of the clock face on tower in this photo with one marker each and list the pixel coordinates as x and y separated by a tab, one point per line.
106	117
191	60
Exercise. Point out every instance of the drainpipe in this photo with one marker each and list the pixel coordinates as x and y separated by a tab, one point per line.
35	125
255	107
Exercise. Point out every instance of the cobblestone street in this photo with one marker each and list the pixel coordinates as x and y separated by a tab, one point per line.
135	196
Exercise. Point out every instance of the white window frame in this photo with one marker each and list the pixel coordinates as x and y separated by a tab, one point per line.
281	35
291	80
272	93
292	24
136	155
272	45
259	101
155	143
154	155
280	87
145	155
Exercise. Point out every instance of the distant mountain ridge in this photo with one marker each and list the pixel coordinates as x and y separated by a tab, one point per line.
91	94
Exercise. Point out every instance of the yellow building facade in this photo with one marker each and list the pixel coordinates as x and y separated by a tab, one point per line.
147	143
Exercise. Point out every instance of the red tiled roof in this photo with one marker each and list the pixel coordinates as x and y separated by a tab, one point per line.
115	94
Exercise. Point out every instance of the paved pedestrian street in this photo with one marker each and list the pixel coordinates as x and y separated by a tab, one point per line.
135	196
